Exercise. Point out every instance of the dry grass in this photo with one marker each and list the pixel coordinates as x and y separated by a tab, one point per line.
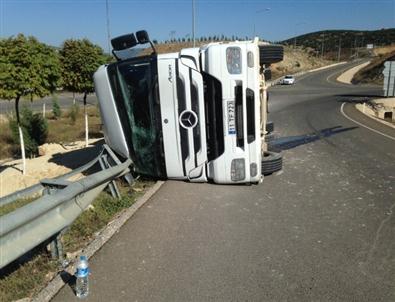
27	279
297	59
62	130
8	208
373	73
383	50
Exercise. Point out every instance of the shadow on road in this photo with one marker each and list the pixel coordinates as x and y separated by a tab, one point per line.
357	98
68	279
77	158
290	142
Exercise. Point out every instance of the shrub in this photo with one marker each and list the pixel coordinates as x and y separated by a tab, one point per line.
56	111
74	111
34	128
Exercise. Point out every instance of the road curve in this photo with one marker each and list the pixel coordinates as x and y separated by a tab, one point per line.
323	229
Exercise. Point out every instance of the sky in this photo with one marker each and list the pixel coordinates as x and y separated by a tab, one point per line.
53	21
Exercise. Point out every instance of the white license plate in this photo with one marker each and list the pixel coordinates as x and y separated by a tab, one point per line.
231	117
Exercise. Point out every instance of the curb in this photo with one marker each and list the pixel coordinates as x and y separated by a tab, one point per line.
354	71
375	118
56	284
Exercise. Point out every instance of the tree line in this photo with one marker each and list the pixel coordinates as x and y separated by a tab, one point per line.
214	38
32	69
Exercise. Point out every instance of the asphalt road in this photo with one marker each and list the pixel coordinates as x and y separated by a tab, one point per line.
323	229
65	100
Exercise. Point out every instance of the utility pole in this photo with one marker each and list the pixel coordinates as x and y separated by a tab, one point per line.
340	49
193	22
322	46
108	28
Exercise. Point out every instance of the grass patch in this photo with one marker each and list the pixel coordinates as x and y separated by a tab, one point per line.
4	210
5	140
71	126
29	278
68	128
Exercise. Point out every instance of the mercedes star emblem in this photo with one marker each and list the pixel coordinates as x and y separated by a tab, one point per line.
188	119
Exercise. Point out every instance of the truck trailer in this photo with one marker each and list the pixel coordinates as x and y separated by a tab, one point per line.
199	114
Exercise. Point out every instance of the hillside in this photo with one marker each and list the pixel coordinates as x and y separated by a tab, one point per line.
373	73
328	40
297	59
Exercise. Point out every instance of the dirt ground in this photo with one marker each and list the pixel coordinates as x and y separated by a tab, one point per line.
58	160
384	50
297	59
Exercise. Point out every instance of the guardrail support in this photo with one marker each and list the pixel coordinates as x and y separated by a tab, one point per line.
51	186
56	247
111	185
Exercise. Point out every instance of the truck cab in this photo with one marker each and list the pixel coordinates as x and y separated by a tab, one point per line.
198	114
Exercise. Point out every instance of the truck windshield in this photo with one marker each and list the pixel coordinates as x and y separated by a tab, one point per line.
135	87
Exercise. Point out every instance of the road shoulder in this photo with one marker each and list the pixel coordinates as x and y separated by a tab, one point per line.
350	112
112	228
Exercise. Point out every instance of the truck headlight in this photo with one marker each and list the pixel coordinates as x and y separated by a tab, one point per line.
237	170
233	60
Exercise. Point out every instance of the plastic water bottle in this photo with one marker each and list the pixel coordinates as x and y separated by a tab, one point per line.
82	282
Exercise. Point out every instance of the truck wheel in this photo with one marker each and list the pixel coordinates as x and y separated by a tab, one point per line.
271	162
269	137
269	127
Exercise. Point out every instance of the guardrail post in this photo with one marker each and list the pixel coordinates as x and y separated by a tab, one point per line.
51	186
104	164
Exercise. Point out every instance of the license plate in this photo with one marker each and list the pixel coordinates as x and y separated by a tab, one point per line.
231	117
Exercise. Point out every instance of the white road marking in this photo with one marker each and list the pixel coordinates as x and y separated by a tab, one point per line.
374	130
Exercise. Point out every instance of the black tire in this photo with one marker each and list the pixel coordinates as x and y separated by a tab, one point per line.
268	74
271	162
269	127
269	137
269	54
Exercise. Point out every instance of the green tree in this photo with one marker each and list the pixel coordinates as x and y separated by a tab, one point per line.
34	128
27	68
56	111
79	60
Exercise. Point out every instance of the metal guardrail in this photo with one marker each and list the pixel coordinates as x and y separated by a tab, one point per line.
44	218
37	188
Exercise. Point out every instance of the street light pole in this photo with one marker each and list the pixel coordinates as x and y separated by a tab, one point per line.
193	23
108	28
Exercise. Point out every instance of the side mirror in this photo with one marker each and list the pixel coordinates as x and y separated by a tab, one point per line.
124	42
142	37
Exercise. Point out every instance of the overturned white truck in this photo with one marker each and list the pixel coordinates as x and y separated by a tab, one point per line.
199	114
